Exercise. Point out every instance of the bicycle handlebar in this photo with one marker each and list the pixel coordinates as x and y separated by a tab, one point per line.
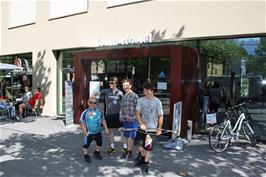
240	105
138	129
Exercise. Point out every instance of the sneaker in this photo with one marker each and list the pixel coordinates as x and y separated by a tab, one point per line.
140	161
111	151
125	150
137	158
18	118
87	158
97	155
129	154
145	168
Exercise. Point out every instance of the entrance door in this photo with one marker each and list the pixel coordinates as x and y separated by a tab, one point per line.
161	64
138	70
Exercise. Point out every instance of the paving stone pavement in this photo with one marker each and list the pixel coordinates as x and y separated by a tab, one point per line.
46	147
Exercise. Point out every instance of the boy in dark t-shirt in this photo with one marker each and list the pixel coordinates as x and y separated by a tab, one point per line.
113	98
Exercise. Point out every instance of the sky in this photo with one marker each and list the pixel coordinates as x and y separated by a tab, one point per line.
249	44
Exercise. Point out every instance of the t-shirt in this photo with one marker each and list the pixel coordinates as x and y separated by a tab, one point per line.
92	118
112	100
36	96
26	97
150	110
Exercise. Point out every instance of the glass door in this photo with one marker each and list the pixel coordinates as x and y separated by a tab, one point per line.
138	70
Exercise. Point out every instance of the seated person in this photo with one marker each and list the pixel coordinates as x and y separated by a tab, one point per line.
33	102
24	99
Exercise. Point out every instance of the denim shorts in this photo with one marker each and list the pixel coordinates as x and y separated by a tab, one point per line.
130	133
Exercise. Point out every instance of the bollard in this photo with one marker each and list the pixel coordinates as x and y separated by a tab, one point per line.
189	130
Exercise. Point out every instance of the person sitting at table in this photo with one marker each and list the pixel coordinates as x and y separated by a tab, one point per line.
34	102
24	99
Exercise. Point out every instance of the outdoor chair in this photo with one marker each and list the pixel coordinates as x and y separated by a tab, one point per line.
4	113
4	110
29	112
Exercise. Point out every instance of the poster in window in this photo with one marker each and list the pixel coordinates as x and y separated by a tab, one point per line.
177	115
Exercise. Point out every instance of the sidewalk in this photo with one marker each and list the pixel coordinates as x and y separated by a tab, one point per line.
46	147
260	122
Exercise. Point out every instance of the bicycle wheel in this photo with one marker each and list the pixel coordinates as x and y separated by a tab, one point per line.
219	138
249	133
252	124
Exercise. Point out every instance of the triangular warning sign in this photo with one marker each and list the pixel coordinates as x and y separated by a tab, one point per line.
161	75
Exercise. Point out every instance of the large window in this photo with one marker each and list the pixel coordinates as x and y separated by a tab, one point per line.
21	13
65	8
113	3
238	66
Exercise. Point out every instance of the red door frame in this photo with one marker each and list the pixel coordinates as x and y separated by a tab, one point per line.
177	55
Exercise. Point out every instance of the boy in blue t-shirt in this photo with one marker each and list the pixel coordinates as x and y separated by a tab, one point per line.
90	123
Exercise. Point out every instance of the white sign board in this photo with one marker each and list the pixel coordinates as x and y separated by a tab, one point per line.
211	118
94	87
69	103
161	85
177	115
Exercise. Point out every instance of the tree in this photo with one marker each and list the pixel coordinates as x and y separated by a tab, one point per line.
257	63
222	51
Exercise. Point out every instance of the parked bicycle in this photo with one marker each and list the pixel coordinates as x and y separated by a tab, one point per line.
222	135
236	111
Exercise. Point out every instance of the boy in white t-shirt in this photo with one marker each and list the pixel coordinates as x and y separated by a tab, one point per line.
150	118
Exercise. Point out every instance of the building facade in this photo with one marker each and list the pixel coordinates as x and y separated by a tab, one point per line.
49	33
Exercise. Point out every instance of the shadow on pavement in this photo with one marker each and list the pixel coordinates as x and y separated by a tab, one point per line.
59	154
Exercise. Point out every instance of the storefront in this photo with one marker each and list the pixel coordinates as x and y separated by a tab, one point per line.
120	40
173	69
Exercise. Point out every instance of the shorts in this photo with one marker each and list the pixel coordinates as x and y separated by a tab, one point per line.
97	137
112	121
147	141
28	106
130	133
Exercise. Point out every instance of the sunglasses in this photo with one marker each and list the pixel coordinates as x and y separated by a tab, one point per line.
92	102
111	82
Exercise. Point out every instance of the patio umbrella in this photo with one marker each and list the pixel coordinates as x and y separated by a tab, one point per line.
9	67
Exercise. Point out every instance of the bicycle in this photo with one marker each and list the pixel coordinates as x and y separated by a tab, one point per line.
236	111
221	135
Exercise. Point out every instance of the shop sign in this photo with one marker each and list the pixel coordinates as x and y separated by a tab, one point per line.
124	40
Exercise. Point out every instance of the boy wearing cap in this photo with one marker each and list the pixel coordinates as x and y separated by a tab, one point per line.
90	123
